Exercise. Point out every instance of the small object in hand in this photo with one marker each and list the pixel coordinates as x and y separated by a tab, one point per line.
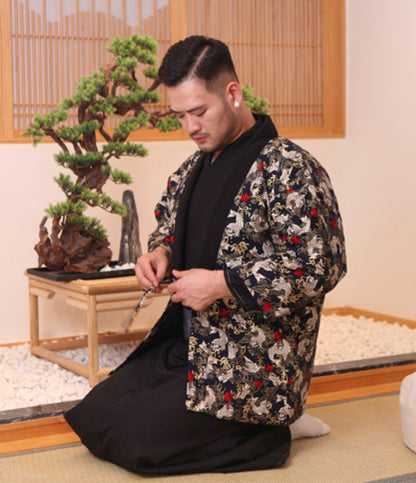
127	324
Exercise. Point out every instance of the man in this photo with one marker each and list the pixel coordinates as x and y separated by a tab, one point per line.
249	229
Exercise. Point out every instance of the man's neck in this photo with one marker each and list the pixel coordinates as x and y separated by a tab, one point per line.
247	123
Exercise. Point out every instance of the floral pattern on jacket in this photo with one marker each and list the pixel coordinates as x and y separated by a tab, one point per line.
284	239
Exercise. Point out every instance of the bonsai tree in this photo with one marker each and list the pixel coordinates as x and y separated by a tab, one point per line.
78	243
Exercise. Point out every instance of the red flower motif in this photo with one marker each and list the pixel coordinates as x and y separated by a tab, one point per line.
191	377
284	238
224	313
299	272
245	197
314	212
168	184
169	239
267	306
334	224
261	166
277	335
290	190
157	214
295	345
295	240
269	368
318	170
228	397
308	374
289	381
258	384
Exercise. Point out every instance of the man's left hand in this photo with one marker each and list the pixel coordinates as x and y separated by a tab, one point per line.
198	288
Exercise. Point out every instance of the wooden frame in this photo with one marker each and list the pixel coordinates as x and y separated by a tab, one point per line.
306	91
92	296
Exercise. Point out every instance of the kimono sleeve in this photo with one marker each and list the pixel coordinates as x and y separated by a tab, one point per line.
166	208
302	255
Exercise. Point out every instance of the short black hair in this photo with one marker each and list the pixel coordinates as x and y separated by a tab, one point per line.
196	56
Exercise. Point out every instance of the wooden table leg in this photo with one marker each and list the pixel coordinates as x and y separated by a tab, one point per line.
92	340
34	319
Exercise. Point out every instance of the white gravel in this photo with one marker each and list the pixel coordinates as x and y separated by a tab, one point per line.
29	381
349	338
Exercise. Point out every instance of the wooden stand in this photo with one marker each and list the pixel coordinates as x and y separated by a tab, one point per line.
93	296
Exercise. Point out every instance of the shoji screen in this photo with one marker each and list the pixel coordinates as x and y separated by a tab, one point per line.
290	51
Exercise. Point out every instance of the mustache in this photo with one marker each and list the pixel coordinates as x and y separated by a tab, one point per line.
199	134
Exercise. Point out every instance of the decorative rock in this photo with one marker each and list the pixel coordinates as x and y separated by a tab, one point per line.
130	247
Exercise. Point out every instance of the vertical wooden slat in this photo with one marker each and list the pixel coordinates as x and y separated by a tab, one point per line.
67	50
99	34
28	64
88	45
24	73
39	61
314	41
333	55
300	59
81	51
93	43
119	26
139	16
60	58
178	21
17	66
123	32
73	44
109	33
78	43
54	64
36	63
6	63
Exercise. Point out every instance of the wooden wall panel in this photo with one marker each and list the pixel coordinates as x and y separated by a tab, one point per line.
291	51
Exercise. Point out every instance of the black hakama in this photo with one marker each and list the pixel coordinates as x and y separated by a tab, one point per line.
136	418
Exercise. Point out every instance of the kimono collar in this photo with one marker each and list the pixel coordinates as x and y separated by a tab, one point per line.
244	151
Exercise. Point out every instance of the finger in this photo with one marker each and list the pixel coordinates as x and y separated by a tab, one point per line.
179	273
144	273
172	288
161	272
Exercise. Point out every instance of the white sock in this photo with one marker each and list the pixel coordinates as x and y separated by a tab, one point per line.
308	427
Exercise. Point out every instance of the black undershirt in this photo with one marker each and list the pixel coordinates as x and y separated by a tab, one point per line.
207	195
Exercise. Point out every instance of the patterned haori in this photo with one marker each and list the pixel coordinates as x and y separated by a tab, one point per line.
283	237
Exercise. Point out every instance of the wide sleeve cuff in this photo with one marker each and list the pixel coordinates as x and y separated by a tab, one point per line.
239	290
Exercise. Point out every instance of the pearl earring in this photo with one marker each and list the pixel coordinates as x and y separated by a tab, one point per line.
236	104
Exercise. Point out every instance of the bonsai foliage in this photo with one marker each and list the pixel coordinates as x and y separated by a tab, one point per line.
79	243
256	104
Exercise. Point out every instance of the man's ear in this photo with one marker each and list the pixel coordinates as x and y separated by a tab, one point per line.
234	94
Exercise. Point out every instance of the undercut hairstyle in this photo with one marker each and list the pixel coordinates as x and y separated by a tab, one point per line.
198	57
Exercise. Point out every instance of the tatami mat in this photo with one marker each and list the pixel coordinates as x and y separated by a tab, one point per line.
365	444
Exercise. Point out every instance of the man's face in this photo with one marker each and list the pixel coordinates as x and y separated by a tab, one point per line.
206	116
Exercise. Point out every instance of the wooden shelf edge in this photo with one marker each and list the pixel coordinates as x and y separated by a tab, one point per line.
36	434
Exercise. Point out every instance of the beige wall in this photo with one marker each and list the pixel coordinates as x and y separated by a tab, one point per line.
373	171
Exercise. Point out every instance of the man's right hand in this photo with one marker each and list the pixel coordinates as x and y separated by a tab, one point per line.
153	267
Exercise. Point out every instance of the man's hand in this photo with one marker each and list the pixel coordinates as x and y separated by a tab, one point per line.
198	288
151	268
